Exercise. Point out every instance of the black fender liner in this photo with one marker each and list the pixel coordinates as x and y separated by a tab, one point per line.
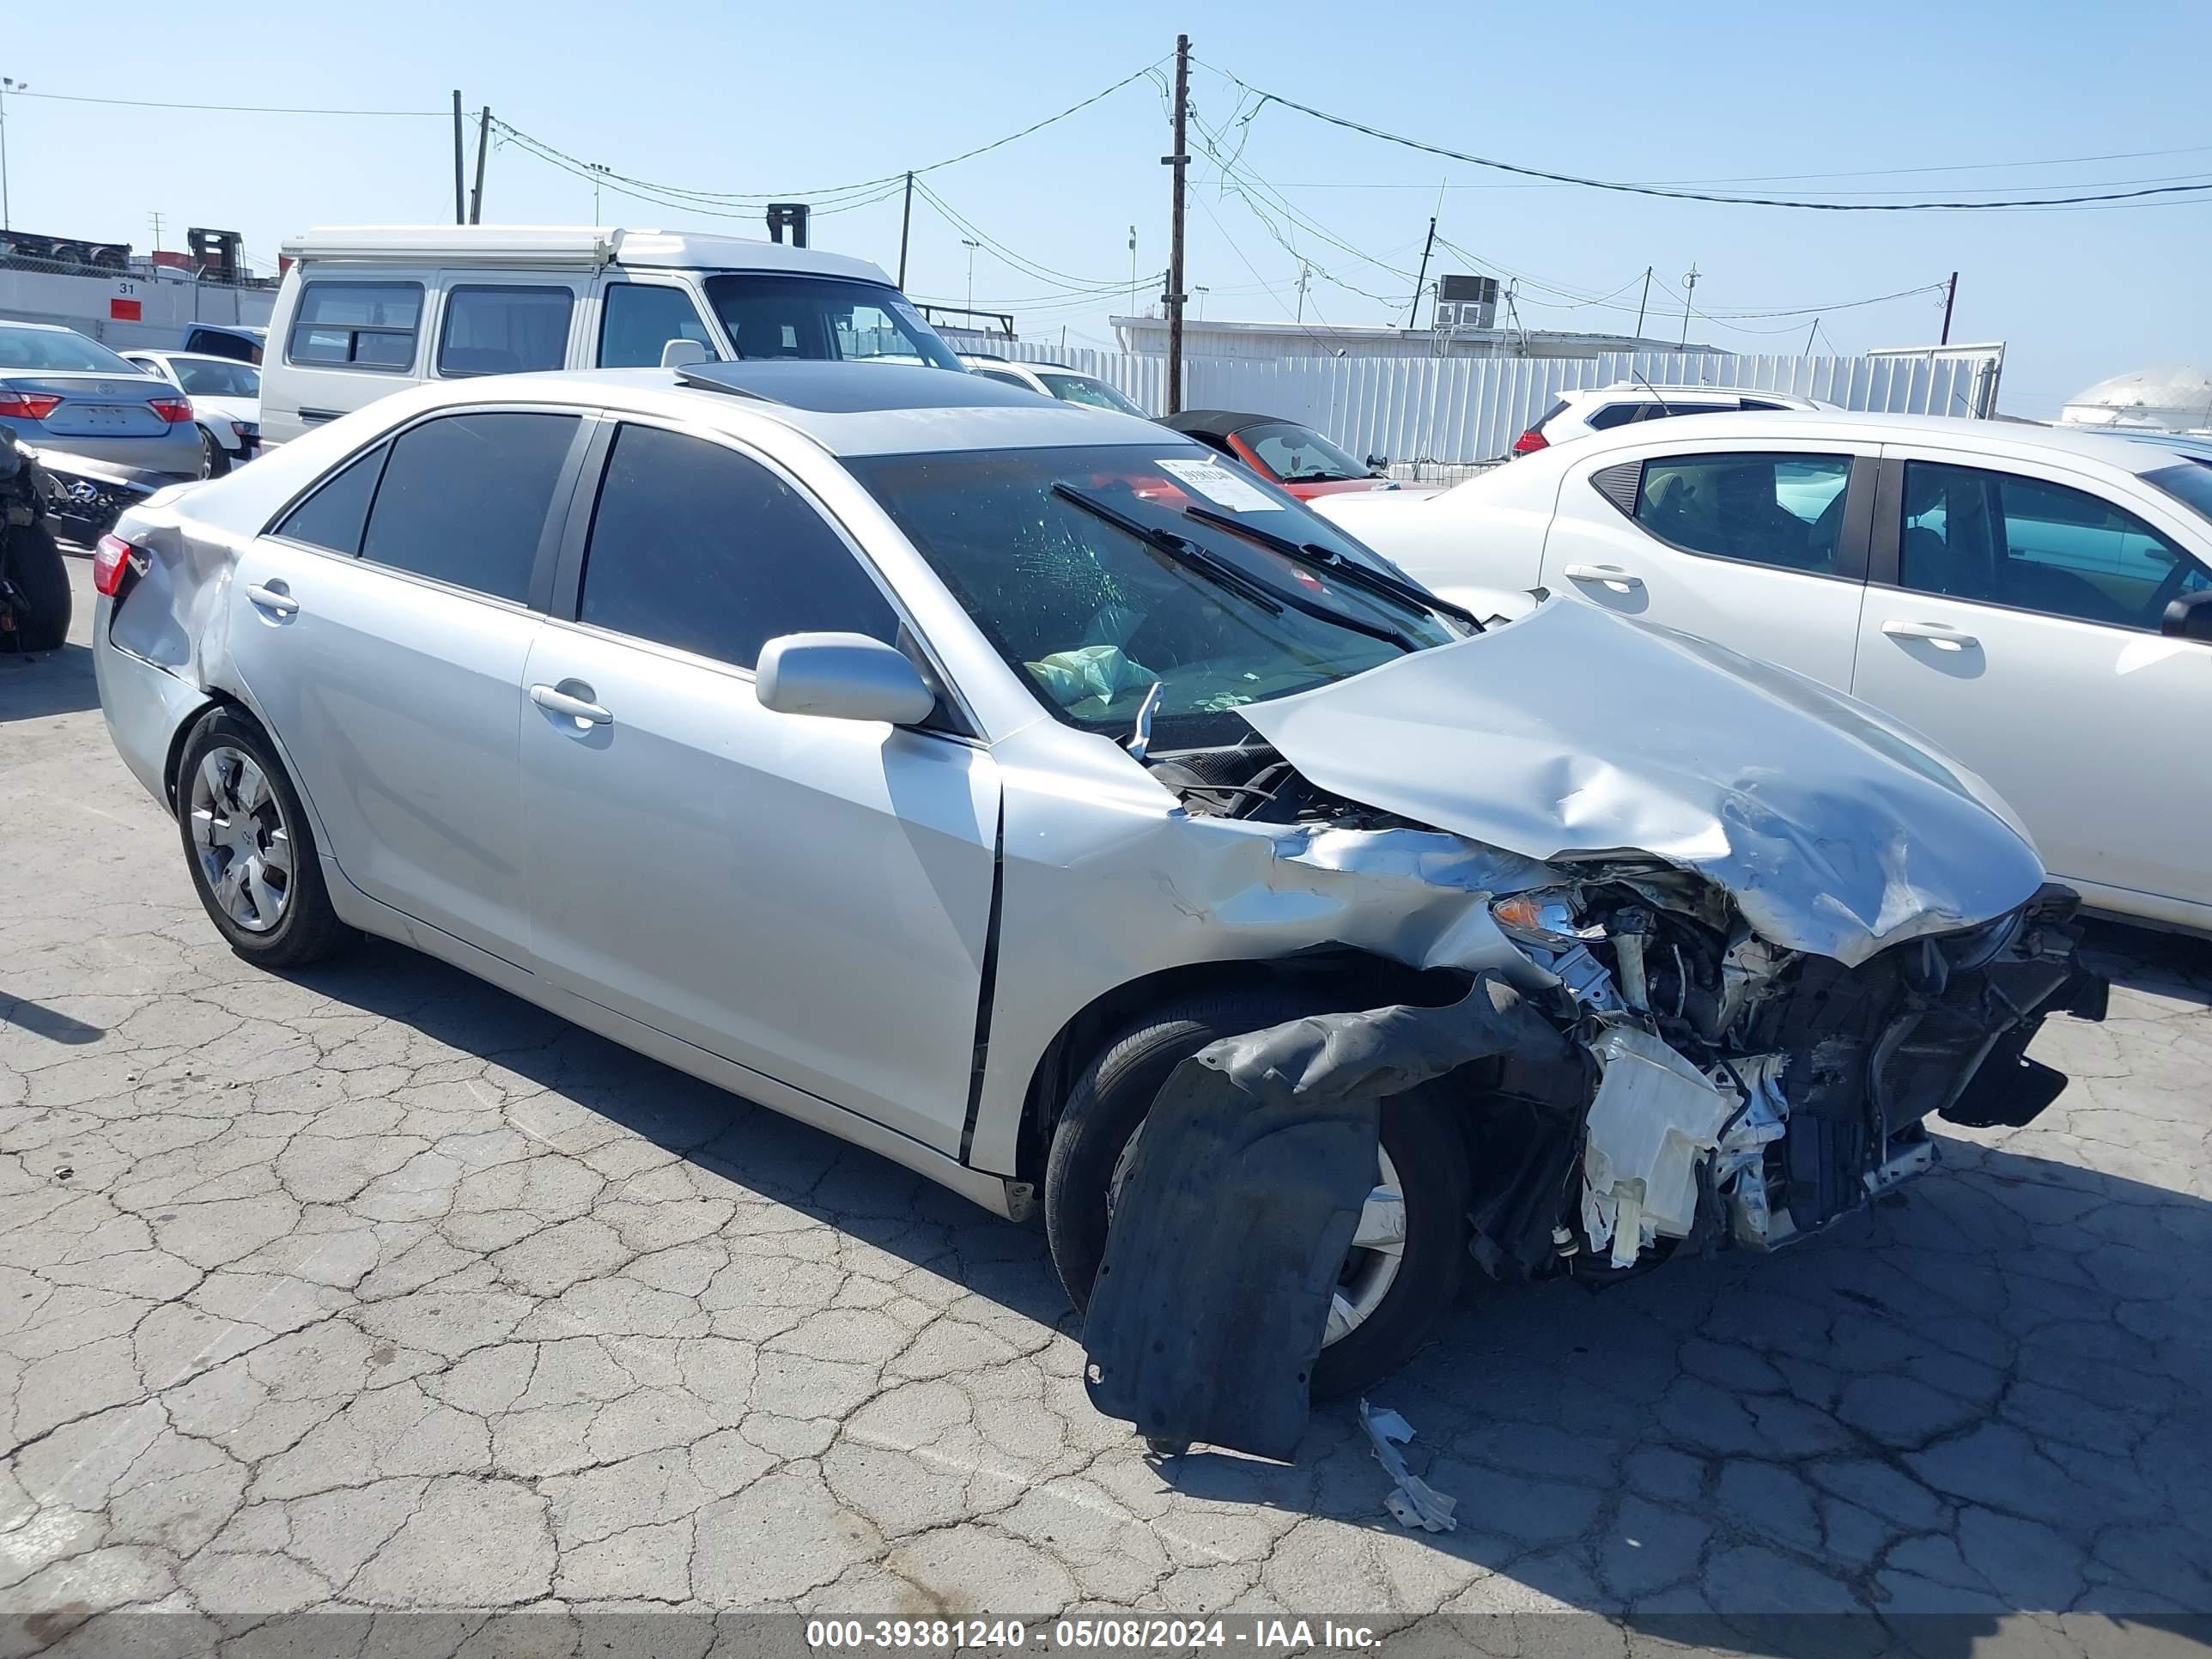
1239	1203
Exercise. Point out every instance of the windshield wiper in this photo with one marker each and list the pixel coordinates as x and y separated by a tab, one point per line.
1185	553
1190	554
1348	570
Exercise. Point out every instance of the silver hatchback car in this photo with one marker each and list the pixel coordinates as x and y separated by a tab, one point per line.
985	780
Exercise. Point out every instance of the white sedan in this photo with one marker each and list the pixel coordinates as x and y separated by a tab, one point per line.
2038	602
226	397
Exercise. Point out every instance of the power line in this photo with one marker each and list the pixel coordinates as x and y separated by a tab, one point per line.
227	109
832	193
1624	187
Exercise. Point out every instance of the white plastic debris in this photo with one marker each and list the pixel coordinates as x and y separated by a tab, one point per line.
1413	1501
1654	1120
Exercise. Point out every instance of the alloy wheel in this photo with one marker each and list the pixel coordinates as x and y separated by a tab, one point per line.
243	843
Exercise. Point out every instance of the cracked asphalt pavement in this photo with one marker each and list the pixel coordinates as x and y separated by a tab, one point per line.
374	1286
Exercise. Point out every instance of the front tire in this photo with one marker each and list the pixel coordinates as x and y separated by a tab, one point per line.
249	847
42	585
1375	1327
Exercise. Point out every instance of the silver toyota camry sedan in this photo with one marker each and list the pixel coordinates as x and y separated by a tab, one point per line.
986	779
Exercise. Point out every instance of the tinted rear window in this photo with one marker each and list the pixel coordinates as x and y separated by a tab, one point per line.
333	516
465	498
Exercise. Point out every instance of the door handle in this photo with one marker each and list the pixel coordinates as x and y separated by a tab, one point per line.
272	598
554	700
1940	635
1611	575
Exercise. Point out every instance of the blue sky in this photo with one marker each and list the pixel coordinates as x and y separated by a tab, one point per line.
752	99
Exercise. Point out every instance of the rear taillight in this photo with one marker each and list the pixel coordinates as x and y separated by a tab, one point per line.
175	410
111	562
1530	441
28	405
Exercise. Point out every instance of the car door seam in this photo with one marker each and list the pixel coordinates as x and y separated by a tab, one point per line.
987	988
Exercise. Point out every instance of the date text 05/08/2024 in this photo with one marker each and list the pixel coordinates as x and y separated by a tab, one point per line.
1124	1634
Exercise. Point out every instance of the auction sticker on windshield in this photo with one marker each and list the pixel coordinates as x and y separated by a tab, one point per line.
1217	483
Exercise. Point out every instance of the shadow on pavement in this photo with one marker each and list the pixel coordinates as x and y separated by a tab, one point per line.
36	685
1987	1395
49	1023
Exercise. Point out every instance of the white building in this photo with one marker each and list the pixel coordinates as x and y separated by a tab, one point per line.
1147	337
2153	399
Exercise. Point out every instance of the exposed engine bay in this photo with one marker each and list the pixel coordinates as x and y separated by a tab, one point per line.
1689	1083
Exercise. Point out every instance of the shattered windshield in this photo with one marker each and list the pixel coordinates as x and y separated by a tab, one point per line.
1088	571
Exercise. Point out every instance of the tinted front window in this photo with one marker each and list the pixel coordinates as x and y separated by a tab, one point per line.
1298	454
223	379
356	325
465	498
505	330
696	546
1083	389
59	349
1781	510
1091	617
771	315
2001	539
333	516
638	320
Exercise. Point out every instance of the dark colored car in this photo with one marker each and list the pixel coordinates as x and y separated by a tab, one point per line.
1282	452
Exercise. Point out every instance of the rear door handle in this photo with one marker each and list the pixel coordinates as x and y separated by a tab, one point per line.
1611	575
554	700
272	598
1941	634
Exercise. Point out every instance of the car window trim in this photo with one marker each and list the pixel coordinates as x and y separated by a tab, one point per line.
564	485
446	293
1886	568
1860	485
564	593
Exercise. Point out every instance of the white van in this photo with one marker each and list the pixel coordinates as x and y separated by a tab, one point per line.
370	309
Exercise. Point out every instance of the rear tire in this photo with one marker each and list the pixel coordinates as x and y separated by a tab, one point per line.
41	579
215	459
288	925
1114	1093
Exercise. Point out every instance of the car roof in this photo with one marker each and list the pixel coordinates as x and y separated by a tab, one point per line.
848	409
46	328
1659	390
567	245
2001	438
184	356
1220	422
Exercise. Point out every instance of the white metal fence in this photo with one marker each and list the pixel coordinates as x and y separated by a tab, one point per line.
1459	411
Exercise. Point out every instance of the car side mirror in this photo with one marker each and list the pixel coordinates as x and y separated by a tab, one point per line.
2189	618
841	677
1378	463
674	353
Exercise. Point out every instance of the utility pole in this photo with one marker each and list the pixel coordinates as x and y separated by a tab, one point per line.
1950	298
460	206
1179	163
906	224
8	83
156	220
598	170
1305	276
1413	311
1689	287
1132	270
971	247
483	143
1642	303
1202	290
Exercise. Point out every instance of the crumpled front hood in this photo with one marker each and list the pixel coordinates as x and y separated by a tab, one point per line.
1575	733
